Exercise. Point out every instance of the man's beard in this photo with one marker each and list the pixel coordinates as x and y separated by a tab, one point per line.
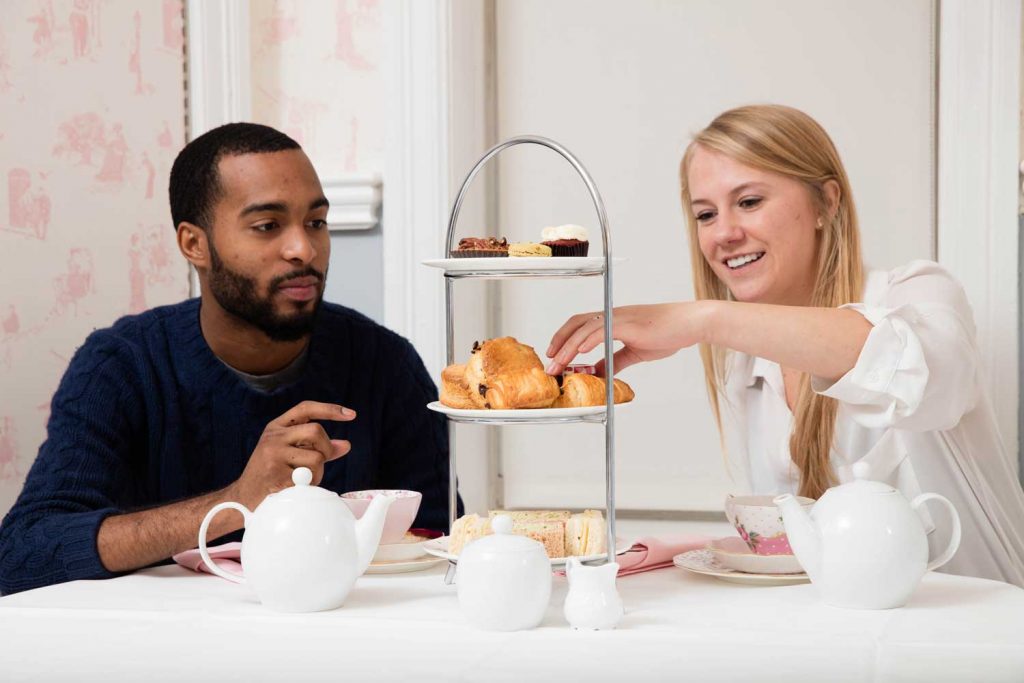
237	295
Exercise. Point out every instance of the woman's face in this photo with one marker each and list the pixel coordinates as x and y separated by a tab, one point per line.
757	230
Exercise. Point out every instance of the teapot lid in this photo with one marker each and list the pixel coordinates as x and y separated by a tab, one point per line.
861	472
302	489
503	541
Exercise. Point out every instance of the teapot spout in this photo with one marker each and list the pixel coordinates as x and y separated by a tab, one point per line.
369	528
802	532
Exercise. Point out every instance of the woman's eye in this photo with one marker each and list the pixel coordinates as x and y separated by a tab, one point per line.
705	216
749	202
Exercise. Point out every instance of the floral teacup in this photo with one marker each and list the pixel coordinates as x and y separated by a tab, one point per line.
759	522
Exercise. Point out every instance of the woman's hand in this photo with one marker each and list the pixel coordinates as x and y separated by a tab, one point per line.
648	333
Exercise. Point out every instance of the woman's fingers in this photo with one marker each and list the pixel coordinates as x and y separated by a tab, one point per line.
572	346
622	359
567	330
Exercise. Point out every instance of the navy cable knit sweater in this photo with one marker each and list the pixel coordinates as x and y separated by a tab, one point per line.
146	414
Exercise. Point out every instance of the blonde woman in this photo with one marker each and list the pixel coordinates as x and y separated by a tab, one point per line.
812	364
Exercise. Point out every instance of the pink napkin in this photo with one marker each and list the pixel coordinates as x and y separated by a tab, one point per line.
225	556
652	552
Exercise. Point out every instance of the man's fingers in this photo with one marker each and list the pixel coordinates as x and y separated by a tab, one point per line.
307	411
340	448
311	436
304	457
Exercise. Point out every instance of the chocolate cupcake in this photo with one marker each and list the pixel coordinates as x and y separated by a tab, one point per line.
481	247
566	240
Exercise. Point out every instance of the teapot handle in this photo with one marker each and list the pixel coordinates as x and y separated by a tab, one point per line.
205	554
954	539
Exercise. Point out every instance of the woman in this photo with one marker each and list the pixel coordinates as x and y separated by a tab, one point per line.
810	364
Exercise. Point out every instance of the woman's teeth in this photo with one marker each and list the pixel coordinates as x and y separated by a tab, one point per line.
743	260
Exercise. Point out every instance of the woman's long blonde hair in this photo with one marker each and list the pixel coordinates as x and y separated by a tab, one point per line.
788	142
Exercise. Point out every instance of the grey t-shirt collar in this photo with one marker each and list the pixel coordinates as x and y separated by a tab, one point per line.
286	375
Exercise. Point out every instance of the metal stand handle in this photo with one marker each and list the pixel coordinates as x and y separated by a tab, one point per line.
609	421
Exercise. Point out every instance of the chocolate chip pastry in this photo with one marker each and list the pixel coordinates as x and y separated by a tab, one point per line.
503	374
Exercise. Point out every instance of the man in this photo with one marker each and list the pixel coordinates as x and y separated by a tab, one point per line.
168	413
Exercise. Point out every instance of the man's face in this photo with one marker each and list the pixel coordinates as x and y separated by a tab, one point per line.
269	245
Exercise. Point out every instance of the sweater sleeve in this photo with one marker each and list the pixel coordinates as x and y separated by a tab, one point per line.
918	368
49	535
415	444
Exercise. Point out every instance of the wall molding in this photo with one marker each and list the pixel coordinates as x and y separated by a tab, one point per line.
355	202
217	74
219	82
417	171
978	138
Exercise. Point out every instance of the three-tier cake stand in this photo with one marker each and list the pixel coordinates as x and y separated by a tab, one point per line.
514	268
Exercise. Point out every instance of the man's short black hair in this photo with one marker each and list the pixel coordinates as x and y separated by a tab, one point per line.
195	184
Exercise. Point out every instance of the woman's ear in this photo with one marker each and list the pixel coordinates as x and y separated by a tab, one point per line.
832	196
192	241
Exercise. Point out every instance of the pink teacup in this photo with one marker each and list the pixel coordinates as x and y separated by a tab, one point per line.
400	515
759	523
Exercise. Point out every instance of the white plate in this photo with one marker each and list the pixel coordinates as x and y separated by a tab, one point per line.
439	548
403	567
399	552
578	264
524	414
732	552
703	562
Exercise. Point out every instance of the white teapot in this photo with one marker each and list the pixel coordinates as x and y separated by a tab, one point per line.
863	545
504	581
303	549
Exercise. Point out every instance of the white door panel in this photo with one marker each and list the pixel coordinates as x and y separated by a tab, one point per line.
624	86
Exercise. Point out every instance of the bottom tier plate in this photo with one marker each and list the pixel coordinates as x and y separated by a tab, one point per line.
438	547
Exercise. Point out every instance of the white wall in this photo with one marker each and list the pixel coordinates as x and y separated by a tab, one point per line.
624	87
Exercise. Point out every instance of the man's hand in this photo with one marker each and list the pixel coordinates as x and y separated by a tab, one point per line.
292	440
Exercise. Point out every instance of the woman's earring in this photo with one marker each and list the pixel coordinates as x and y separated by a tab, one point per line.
821	223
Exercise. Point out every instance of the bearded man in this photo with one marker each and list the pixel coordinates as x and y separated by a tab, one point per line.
168	413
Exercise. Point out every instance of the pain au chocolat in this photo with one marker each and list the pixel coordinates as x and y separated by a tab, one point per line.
454	390
503	374
580	390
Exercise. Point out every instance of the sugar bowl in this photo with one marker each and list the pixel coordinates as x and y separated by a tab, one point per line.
504	581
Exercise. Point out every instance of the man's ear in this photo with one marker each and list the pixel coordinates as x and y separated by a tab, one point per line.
194	244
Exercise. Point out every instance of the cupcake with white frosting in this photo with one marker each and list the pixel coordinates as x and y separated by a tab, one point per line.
566	240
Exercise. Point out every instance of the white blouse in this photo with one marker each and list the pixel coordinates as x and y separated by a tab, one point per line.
914	407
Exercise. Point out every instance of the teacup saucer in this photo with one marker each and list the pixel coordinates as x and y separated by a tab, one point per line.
733	553
400	567
408	549
703	562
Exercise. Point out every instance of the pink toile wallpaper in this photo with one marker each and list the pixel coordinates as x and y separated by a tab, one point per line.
91	116
316	76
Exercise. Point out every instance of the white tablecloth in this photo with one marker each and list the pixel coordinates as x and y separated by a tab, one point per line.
168	624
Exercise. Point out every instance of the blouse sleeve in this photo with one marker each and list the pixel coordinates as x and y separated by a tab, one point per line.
918	368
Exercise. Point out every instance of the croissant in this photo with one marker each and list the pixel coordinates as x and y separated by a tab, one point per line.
588	390
503	374
454	390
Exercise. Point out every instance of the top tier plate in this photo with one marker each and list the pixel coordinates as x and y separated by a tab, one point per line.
512	266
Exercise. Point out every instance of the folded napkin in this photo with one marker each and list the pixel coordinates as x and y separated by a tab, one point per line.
652	552
225	556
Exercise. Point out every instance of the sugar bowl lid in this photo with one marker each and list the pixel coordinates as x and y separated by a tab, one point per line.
501	542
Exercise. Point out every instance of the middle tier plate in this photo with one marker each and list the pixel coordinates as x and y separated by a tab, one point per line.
525	415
